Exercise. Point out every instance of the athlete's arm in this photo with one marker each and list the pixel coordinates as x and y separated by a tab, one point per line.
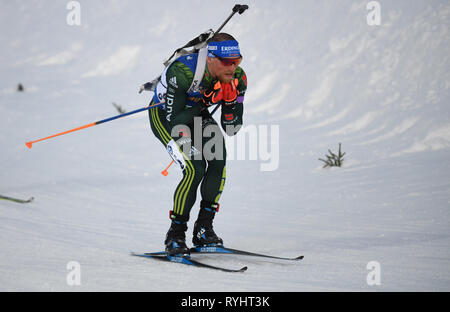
231	119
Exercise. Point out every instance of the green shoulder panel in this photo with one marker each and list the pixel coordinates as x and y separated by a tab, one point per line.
182	72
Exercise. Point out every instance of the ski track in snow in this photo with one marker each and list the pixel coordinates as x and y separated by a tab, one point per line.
320	73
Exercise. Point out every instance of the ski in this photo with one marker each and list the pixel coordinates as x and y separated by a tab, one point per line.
16	200
162	256
230	251
225	250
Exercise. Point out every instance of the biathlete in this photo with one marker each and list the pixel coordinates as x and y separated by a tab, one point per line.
189	86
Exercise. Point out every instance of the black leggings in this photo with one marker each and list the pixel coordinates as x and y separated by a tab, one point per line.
211	173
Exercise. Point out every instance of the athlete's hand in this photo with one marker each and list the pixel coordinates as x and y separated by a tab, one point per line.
230	92
213	96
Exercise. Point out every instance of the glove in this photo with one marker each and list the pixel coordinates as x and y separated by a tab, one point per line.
213	96
230	92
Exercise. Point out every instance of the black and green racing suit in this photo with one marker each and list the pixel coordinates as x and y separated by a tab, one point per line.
211	173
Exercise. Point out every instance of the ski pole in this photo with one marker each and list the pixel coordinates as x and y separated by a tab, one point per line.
16	200
165	172
214	110
30	144
238	8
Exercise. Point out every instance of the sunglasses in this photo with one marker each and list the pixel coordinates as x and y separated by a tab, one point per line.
227	61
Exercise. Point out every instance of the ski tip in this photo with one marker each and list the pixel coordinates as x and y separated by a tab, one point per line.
29	144
138	254
243	269
299	258
158	253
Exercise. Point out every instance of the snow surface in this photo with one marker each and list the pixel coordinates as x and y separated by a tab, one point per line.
316	70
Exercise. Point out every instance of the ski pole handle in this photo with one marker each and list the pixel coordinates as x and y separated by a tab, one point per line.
238	8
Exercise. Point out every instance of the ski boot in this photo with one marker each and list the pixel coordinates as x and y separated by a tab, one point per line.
176	239
204	235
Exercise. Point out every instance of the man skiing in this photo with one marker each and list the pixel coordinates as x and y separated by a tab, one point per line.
188	87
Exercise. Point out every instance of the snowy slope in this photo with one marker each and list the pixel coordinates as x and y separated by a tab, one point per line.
317	72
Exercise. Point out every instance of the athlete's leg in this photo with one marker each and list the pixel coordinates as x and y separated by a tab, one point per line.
211	187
